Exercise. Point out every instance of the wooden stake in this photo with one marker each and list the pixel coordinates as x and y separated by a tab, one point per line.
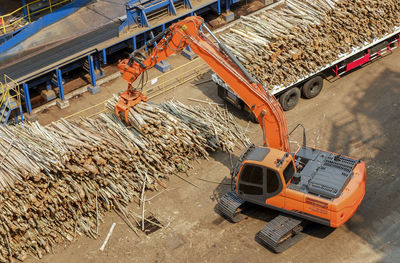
107	237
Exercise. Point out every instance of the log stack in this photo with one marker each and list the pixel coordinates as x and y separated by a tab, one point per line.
58	181
281	46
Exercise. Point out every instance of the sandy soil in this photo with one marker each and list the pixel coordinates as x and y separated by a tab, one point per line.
357	115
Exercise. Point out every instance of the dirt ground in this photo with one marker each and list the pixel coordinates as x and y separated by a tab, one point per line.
357	115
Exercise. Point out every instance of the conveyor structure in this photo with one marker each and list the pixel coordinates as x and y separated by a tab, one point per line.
138	11
10	100
42	70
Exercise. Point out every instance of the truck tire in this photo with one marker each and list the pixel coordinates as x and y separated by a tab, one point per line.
312	87
290	98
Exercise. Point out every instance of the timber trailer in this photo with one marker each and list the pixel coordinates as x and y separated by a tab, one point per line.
311	85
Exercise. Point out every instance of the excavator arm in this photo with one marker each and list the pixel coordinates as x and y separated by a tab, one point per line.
189	32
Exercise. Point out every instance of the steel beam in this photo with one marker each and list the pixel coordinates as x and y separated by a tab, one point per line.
94	89
27	98
188	4
104	56
91	71
134	42
60	84
25	10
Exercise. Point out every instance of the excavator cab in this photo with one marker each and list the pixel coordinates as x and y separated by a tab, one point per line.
262	173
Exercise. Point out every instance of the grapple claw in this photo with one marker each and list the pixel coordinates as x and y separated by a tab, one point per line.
127	100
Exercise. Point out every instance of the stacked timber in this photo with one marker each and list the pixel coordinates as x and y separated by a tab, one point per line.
220	134
57	182
281	46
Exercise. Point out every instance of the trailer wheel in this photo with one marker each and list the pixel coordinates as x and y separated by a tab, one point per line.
290	98
312	87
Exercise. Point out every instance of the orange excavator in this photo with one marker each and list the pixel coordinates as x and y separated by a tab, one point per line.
308	185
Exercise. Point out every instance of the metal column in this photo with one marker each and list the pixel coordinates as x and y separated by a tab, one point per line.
25	10
60	84
134	42
27	98
16	114
94	89
105	56
91	71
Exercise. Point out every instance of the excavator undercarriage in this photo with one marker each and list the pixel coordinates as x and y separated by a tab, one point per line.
281	233
278	234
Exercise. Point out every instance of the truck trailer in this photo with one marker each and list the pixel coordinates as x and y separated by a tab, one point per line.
310	86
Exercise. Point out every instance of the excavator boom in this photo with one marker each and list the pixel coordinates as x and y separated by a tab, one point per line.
189	32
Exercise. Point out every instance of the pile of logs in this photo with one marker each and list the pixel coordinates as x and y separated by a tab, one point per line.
58	181
221	134
281	46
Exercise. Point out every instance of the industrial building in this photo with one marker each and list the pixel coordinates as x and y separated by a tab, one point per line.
44	43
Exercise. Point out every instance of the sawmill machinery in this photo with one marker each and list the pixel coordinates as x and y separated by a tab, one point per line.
308	185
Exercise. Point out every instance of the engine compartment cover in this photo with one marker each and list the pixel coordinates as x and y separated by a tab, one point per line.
327	173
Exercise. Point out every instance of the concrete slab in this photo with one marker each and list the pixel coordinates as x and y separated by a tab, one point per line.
163	66
94	90
48	95
62	104
228	16
30	117
188	54
267	2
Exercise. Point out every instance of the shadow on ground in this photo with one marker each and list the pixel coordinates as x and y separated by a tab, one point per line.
204	85
372	133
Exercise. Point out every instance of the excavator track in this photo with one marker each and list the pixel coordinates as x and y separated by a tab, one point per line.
230	206
281	233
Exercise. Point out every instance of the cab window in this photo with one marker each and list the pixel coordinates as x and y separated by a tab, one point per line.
288	172
251	180
252	174
251	189
272	181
